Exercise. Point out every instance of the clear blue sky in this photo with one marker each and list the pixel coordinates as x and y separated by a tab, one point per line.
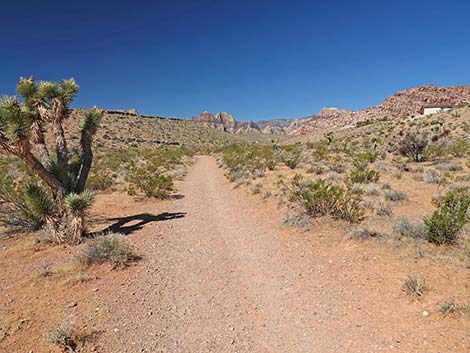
254	59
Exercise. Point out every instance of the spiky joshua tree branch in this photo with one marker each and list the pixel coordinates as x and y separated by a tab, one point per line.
40	110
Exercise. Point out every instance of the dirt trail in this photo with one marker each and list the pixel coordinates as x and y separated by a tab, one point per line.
222	275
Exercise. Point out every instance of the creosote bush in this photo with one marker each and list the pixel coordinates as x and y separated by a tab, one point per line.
361	173
451	215
291	156
151	184
113	248
321	197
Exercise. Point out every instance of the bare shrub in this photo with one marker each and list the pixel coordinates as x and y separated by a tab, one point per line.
450	308
413	146
64	335
415	286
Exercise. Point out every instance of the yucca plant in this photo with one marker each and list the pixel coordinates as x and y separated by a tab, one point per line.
24	121
78	205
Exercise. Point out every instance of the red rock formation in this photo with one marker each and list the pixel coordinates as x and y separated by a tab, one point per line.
402	103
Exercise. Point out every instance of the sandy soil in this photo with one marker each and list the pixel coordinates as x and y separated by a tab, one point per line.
220	274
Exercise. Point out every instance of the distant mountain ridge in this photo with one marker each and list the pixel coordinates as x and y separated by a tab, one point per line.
226	122
406	102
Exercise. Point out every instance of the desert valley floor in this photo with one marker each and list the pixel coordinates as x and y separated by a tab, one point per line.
219	273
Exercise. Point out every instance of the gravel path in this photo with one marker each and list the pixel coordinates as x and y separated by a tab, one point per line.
222	275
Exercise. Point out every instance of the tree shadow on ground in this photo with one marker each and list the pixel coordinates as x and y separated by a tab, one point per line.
119	226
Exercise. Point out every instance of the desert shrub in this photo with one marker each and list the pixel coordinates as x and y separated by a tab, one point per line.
394	195
291	157
407	228
435	151
64	335
364	176
271	164
451	167
451	307
321	197
256	189
150	182
413	146
99	181
113	248
332	175
337	167
384	209
366	234
361	173
319	149
296	219
459	148
316	169
371	191
432	176
415	286
242	160
16	213
451	215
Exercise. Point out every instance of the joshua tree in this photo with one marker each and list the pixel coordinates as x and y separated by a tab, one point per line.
39	111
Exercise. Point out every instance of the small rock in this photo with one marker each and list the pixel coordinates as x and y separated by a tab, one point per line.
425	313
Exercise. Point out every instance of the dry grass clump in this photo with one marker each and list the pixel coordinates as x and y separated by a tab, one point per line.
366	233
415	286
65	335
113	248
452	308
384	209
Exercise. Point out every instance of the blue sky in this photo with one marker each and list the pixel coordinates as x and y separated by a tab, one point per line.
254	59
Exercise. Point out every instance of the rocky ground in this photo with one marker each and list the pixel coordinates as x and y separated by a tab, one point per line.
220	274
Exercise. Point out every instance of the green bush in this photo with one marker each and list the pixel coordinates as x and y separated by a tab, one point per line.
321	197
150	183
16	212
361	172
450	217
459	148
364	176
291	157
